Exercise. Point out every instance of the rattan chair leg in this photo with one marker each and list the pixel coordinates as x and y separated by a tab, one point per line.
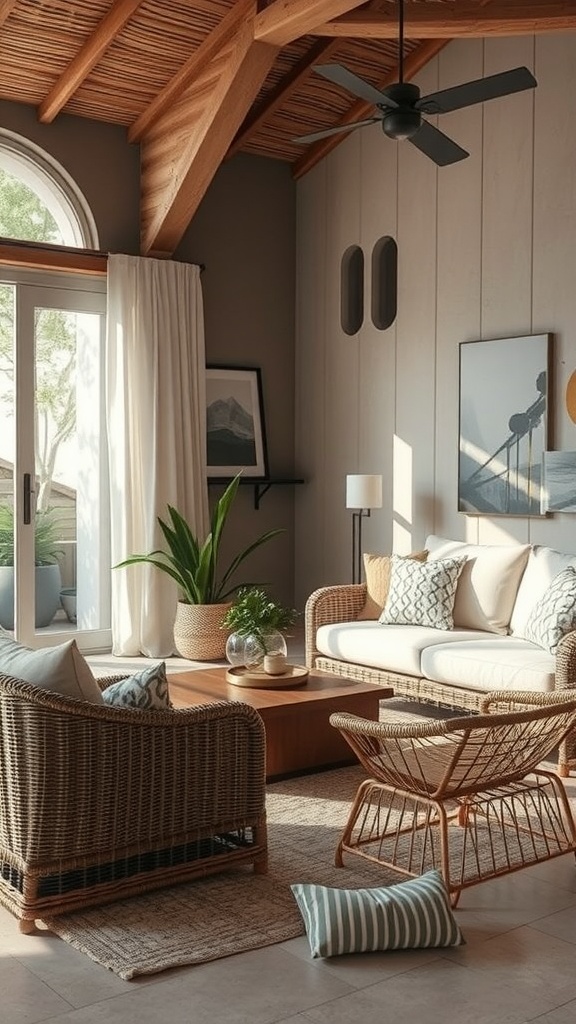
26	926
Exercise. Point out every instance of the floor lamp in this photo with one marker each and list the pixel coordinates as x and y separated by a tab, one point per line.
363	493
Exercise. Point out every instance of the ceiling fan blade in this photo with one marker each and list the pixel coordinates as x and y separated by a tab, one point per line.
340	75
479	91
316	136
437	146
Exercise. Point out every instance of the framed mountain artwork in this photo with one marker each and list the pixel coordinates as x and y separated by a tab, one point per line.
235	432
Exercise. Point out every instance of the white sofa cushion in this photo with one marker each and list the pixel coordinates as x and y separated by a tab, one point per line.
392	648
498	663
422	593
543	565
488	584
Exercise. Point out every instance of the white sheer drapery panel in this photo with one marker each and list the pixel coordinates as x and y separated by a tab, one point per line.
156	412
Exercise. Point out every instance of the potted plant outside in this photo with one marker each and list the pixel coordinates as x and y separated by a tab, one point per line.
48	580
204	590
257	625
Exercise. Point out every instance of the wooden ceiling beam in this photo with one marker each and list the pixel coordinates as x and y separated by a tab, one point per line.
6	8
286	20
209	47
284	89
86	58
183	150
466	20
318	53
413	63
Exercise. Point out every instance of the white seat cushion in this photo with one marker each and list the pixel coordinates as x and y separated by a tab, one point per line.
502	663
543	565
392	648
488	584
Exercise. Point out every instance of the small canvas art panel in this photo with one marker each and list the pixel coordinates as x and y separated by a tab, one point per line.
235	437
503	425
559	490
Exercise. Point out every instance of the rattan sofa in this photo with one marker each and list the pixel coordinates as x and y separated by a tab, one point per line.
333	627
98	802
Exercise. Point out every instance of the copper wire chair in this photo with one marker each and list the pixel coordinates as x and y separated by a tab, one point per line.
465	795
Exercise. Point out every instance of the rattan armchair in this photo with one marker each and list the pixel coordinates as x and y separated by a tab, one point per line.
465	795
98	803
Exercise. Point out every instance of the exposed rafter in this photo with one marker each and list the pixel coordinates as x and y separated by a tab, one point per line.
6	8
319	53
183	150
468	19
361	108
86	58
242	10
287	20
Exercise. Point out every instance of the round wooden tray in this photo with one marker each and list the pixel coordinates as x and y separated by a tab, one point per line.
295	675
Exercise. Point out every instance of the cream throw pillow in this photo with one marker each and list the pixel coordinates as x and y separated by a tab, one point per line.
377	569
61	669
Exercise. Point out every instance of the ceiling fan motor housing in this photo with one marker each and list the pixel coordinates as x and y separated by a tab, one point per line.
401	121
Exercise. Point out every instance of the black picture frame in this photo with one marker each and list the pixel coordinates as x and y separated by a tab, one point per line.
504	425
235	426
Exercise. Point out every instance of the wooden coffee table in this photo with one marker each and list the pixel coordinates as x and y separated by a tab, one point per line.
299	736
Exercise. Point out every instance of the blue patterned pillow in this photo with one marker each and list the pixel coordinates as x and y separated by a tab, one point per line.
554	614
409	915
147	689
422	593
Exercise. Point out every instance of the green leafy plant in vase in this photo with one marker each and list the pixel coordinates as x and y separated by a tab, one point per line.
257	625
204	588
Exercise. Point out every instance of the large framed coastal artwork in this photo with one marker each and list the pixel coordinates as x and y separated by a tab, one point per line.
504	410
235	431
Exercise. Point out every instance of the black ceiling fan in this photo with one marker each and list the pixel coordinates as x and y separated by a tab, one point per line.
400	106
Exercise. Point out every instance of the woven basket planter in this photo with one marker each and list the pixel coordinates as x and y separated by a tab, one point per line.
198	632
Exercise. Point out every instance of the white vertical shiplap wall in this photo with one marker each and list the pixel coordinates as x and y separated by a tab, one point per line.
377	349
554	247
486	250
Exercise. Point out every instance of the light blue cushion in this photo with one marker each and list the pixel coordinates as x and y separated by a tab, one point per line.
409	915
146	689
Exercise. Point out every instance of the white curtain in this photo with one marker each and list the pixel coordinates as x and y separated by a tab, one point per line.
156	401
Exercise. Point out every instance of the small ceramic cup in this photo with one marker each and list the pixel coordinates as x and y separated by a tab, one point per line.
275	664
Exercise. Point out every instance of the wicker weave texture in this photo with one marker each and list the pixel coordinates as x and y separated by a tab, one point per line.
198	631
97	802
455	794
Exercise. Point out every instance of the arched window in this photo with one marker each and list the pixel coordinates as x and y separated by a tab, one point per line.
39	201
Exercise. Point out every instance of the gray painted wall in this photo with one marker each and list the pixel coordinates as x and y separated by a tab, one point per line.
486	250
244	232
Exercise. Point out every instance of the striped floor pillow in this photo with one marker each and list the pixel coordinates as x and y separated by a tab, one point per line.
409	915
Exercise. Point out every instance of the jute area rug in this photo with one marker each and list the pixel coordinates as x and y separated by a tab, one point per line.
236	911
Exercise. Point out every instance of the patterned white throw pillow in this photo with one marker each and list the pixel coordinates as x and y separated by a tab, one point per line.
147	689
409	915
422	593
554	614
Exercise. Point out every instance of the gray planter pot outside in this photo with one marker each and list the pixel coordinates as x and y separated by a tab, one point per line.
48	586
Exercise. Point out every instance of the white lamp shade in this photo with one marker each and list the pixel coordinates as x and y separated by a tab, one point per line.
364	491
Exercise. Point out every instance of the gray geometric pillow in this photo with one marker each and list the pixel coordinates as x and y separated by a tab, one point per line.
554	614
422	593
146	689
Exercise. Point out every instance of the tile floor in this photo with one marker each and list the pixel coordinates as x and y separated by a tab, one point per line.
518	965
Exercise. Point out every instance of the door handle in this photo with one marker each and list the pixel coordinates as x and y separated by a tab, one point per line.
27	497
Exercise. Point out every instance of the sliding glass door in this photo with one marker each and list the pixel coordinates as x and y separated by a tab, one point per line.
54	534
